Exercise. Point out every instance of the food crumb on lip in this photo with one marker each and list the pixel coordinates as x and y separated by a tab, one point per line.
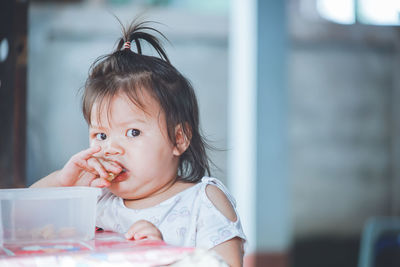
112	176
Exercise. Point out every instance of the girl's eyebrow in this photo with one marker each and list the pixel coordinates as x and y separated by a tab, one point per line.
96	127
124	122
129	121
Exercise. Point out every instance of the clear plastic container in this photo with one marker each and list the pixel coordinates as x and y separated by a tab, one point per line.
39	214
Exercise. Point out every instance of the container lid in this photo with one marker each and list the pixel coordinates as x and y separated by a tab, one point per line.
49	192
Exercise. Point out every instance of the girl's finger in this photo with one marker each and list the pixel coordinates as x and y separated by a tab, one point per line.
80	159
99	182
143	229
134	229
85	179
84	165
138	225
147	233
88	153
110	166
95	164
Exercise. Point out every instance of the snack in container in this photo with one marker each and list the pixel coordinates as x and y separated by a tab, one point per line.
54	213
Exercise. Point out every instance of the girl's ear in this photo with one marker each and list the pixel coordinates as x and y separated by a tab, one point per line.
182	139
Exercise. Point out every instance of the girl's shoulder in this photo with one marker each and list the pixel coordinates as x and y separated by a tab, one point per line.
219	220
208	190
216	193
209	187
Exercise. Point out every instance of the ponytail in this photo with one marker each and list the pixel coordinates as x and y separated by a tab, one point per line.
140	31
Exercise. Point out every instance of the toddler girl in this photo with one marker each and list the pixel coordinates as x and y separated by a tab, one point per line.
148	155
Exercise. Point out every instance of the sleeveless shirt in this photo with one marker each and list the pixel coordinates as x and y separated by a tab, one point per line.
187	219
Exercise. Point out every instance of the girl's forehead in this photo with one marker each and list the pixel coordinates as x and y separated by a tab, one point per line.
117	107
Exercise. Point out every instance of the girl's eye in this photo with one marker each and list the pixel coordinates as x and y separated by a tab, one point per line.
133	133
101	136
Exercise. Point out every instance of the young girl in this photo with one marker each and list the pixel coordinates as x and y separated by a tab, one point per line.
147	153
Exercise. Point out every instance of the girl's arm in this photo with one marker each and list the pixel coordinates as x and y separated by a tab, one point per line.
83	169
232	250
48	181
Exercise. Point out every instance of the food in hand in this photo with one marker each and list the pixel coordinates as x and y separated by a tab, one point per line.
111	176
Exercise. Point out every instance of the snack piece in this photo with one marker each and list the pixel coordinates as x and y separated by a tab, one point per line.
48	232
111	176
67	232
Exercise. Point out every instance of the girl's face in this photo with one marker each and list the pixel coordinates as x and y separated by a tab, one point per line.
138	141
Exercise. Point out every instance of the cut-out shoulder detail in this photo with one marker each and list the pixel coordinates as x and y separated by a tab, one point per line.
221	202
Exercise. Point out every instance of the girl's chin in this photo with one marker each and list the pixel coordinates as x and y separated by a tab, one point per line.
121	191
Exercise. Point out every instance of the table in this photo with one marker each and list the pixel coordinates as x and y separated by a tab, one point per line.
107	249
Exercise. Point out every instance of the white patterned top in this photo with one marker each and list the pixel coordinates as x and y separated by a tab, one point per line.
187	219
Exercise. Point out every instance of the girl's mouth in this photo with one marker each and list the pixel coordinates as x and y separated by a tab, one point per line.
117	177
122	176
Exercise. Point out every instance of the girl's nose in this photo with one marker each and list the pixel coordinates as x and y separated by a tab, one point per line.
113	148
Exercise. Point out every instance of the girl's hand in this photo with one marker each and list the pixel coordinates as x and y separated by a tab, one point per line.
143	230
84	169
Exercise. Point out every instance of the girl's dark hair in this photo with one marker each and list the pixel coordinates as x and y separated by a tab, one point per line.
128	72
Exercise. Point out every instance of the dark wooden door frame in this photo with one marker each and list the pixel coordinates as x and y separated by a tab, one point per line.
13	70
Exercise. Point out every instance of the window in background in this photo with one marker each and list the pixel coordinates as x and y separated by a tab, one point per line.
339	11
383	12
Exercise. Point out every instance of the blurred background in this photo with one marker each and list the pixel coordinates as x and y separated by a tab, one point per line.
299	96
